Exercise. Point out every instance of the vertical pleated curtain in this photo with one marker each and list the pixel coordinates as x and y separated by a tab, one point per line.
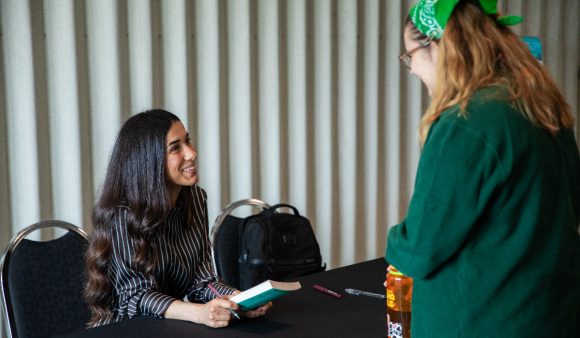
297	101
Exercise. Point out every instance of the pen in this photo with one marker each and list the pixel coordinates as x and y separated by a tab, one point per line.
215	292
327	291
364	293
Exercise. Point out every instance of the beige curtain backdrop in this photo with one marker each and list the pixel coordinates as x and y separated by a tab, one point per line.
297	101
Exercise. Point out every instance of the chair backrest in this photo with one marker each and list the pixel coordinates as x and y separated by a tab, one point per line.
535	45
42	282
225	241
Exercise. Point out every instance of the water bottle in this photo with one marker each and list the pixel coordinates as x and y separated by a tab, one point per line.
399	293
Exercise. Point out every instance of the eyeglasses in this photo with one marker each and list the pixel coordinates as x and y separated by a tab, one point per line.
406	58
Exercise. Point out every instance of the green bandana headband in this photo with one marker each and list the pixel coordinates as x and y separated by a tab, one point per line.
431	16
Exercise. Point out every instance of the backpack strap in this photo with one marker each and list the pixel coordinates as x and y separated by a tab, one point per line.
272	209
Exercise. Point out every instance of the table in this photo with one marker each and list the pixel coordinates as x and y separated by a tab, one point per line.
303	313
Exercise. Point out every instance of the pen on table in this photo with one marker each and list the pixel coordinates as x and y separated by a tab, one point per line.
327	291
216	292
364	293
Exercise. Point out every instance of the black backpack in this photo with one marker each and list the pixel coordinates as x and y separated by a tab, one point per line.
267	245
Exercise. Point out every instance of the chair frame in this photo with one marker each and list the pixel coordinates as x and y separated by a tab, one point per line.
6	256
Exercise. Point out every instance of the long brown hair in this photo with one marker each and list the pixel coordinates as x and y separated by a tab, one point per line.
135	181
476	52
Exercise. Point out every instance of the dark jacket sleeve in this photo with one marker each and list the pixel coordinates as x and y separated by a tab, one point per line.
205	271
457	174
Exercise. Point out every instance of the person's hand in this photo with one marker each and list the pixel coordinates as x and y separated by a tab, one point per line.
253	313
259	311
215	313
388	269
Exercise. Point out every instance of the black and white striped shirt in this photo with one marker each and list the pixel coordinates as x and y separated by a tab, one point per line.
185	264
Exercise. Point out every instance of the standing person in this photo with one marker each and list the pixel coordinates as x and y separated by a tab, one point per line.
150	248
491	235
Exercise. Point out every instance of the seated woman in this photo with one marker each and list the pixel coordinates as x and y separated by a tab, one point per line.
149	253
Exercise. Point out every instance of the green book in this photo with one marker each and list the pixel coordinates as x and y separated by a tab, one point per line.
263	293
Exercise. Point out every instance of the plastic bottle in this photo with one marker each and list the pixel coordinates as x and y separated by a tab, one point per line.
399	293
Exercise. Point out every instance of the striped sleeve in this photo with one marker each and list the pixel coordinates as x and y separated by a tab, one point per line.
136	293
204	270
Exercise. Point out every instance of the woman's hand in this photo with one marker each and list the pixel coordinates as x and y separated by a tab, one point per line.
256	312
214	313
388	270
259	311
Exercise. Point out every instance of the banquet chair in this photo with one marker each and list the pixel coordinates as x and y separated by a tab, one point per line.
534	45
42	282
225	240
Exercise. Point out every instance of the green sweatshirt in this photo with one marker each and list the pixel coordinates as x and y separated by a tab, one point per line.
491	235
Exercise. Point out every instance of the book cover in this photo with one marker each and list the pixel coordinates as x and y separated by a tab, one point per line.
263	293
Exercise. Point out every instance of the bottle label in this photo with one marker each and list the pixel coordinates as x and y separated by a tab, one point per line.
390	299
395	330
399	324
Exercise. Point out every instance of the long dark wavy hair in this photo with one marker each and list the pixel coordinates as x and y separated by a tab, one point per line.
135	180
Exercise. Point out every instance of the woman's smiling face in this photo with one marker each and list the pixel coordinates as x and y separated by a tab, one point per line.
180	164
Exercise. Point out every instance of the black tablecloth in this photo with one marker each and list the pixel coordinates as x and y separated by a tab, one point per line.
303	313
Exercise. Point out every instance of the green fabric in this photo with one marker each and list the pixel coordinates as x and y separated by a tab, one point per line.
431	16
491	236
509	20
489	6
